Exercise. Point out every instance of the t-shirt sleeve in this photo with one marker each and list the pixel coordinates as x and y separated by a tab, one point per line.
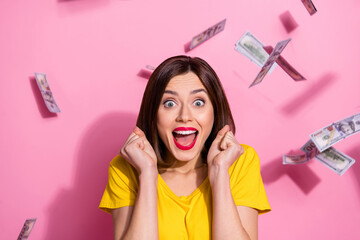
246	183
122	186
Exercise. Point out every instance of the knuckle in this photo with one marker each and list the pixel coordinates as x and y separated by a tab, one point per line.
122	152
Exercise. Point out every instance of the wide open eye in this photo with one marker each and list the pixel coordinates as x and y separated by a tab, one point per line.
199	103
169	103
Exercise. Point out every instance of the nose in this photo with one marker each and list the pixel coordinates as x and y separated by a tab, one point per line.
184	114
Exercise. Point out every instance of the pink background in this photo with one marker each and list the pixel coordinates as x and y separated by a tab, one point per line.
54	168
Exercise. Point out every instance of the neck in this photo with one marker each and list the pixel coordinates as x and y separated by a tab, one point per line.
185	166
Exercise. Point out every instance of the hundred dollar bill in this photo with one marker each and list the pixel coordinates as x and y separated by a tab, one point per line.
309	6
335	132
252	48
208	33
286	66
26	229
149	67
270	61
310	149
296	159
335	160
46	93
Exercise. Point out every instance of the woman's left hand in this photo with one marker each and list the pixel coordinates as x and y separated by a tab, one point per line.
224	150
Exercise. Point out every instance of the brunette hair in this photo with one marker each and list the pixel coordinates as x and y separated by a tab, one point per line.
171	67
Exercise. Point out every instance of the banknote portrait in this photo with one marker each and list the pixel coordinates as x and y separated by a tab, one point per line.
199	39
205	35
49	97
345	127
356	121
218	28
211	32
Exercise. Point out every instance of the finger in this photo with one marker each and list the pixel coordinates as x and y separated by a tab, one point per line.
138	131
227	140
131	147
131	138
221	134
141	135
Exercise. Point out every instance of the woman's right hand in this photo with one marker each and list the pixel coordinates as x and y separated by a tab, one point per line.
139	153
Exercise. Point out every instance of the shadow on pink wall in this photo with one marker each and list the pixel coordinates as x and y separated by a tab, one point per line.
67	7
301	174
355	153
314	91
288	21
74	214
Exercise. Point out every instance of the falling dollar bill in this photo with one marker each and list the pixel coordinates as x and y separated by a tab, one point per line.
309	6
335	132
149	67
335	160
310	151
286	66
46	93
249	46
296	158
332	158
207	34
26	229
310	148
270	61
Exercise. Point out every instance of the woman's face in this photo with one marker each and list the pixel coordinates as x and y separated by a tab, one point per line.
185	117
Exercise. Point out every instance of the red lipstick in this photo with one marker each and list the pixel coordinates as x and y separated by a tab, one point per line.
182	131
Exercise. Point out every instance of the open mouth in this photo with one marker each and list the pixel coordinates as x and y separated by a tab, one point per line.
185	138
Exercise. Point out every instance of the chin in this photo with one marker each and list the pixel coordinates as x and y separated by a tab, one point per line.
185	156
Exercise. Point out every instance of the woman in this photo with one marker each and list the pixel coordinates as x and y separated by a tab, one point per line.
181	174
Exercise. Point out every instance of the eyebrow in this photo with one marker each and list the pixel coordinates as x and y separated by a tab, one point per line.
192	92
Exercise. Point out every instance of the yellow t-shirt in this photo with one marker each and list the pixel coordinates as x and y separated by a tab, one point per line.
187	217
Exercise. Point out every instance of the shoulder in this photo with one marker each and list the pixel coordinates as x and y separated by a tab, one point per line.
248	151
120	166
249	155
119	162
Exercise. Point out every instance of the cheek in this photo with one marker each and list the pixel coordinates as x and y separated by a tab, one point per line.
162	119
163	125
208	120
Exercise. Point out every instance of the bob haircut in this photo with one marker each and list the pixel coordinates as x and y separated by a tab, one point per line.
155	88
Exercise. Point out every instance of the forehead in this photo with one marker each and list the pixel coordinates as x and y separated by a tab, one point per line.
185	81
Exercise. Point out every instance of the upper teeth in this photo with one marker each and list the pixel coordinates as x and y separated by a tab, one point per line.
185	132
